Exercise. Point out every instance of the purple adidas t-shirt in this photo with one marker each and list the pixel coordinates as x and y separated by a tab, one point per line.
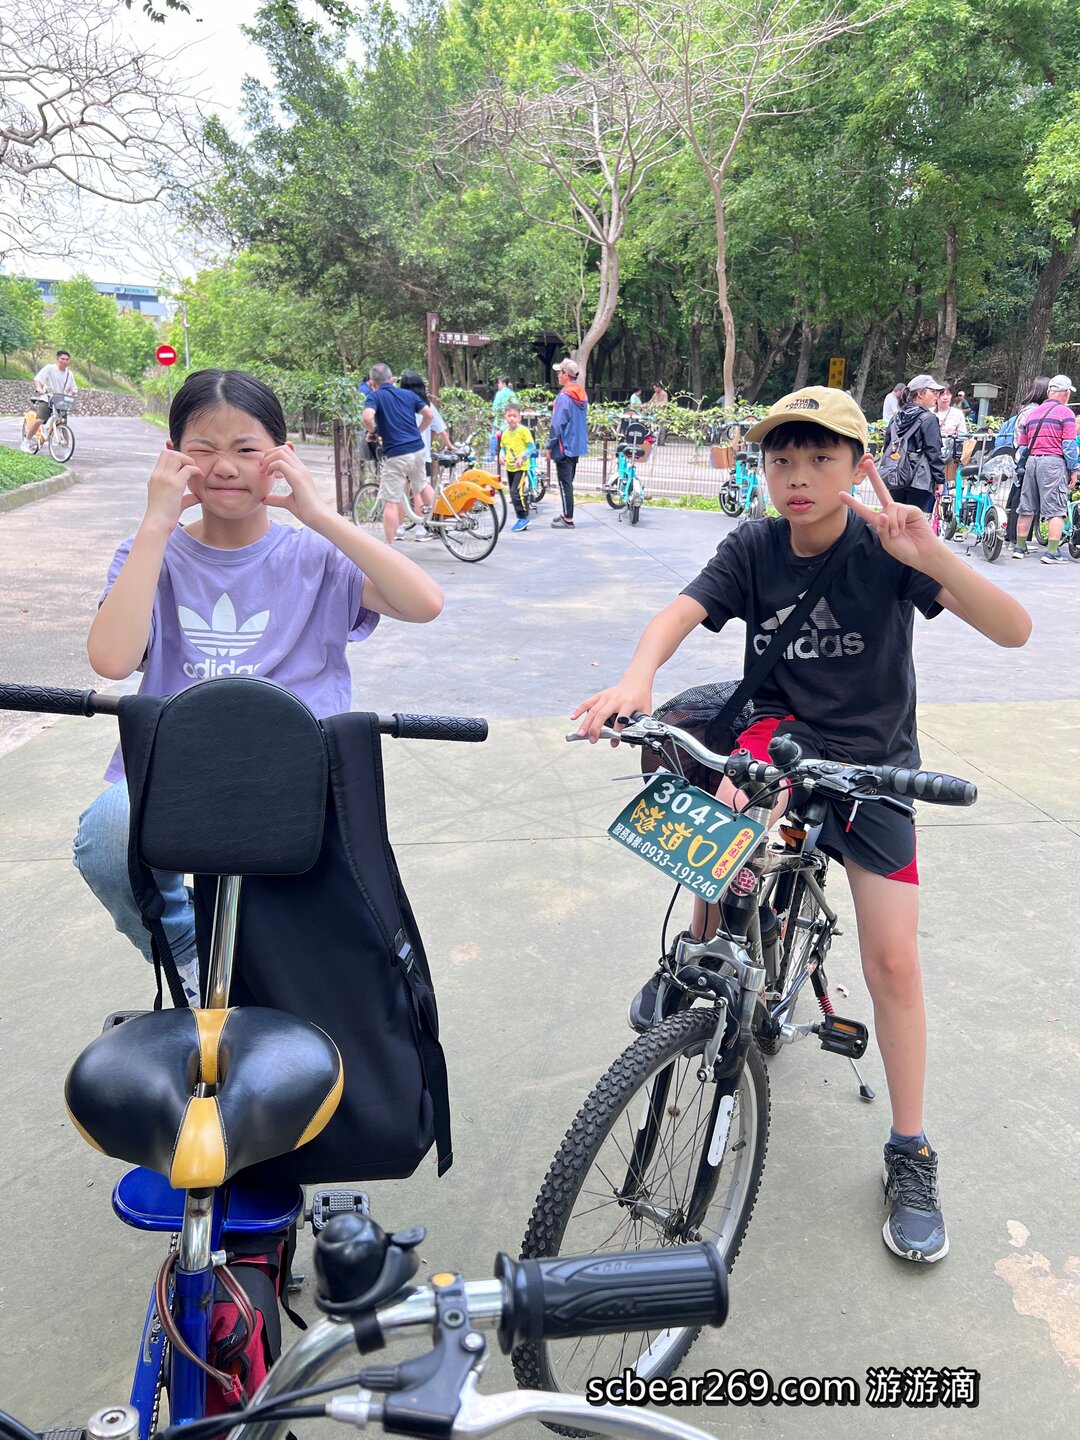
281	608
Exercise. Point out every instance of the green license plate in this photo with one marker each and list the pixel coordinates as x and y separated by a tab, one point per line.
687	835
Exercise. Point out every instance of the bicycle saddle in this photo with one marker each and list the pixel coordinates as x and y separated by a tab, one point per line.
448	457
273	1080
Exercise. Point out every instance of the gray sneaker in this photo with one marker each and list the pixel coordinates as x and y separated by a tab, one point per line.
1019	552
915	1226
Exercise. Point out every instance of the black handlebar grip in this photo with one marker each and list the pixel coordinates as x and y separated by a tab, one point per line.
435	727
561	1297
927	785
46	700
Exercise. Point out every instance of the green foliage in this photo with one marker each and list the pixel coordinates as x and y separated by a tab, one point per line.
87	323
18	469
137	340
22	315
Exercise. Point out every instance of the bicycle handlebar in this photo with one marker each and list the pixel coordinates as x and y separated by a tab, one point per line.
47	700
565	1297
868	781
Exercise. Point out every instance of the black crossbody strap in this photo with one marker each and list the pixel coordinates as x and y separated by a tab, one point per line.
770	656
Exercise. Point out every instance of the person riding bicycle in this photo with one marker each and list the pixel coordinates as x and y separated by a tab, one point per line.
50	380
516	446
231	594
846	691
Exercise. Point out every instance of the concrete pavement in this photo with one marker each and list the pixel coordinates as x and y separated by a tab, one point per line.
540	929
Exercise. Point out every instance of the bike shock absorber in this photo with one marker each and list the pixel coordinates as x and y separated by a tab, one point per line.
821	989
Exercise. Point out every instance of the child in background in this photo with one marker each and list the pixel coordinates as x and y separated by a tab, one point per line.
231	594
515	448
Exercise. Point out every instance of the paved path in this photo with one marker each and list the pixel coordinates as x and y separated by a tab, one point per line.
540	930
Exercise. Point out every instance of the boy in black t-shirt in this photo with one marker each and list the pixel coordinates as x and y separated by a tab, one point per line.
846	689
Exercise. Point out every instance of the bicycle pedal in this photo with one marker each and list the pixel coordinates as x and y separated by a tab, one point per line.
843	1037
111	1021
325	1204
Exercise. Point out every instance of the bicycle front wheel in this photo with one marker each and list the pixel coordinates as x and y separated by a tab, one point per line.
730	501
367	509
62	443
636	498
613	496
500	507
470	535
624	1177
539	489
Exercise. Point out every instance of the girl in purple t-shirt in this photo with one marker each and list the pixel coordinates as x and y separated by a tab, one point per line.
231	594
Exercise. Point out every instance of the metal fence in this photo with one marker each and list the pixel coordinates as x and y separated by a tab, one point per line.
676	467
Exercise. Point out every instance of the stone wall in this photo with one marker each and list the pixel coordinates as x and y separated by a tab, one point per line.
16	396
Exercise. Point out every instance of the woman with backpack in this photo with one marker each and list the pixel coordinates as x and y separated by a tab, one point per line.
912	466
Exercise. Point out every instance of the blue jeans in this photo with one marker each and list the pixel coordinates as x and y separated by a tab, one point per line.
100	855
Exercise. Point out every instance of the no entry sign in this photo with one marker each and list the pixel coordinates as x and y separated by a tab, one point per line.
166	355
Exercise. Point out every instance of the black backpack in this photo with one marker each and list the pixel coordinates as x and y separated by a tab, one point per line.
236	776
904	465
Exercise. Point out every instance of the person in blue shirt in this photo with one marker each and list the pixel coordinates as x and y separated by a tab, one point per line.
568	437
504	396
400	416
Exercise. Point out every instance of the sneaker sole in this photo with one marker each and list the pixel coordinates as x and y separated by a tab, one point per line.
914	1255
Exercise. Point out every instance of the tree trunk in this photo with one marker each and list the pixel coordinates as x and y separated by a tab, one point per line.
606	301
865	361
775	348
809	335
1038	327
695	362
728	352
902	372
946	329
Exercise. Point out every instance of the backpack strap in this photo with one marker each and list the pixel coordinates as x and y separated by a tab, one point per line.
139	716
767	661
356	780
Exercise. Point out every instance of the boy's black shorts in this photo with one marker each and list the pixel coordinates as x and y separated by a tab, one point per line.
878	838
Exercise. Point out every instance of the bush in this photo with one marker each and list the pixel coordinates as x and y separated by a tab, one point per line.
311	401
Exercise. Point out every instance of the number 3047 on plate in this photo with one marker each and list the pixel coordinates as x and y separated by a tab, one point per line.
687	835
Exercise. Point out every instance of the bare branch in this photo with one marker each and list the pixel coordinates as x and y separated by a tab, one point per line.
83	112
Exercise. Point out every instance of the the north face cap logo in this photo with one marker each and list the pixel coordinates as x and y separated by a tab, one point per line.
806	404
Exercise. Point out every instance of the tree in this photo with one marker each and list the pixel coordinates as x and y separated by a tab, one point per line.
716	68
136	343
22	315
84	115
87	323
596	135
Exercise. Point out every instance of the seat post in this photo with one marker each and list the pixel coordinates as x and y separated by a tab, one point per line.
223	941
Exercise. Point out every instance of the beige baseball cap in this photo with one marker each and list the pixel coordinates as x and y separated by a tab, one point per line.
568	367
1061	382
833	410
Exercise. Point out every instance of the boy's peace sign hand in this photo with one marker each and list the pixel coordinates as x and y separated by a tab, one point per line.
167	493
303	500
904	530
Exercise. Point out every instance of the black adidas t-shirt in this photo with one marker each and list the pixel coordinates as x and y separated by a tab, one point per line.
849	674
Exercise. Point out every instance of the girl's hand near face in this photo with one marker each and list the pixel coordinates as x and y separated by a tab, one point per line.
167	493
303	499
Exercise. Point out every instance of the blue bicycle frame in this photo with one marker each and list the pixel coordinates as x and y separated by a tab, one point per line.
205	1221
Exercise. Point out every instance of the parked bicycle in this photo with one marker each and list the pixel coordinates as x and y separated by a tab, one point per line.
669	1148
193	1097
465	515
55	434
625	491
970	512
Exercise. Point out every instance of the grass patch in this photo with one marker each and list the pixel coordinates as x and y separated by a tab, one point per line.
18	469
158	420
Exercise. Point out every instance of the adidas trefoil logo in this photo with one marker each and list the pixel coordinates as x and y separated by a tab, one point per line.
820	635
221	638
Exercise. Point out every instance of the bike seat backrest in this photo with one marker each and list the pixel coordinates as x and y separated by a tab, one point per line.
274	1082
236	783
